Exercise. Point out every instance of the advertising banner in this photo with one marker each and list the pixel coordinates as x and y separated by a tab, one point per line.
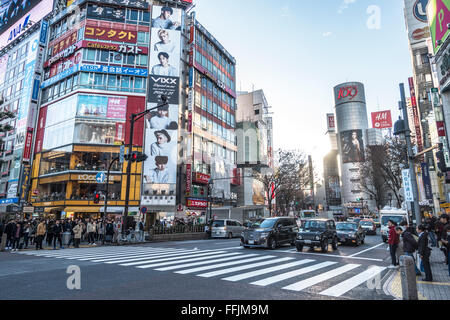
417	128
331	122
114	70
439	13
382	119
138	4
121	48
407	185
110	34
188	178
63	43
426	181
349	92
117	108
416	20
92	106
102	12
63	65
161	134
197	203
440	128
352	146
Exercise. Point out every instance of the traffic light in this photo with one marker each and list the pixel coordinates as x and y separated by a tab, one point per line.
96	197
136	157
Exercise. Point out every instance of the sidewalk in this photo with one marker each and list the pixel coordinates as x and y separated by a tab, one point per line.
439	289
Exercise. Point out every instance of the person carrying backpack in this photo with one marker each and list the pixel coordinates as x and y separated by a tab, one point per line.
410	245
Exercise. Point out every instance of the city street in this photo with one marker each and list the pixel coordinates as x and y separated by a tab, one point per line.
199	270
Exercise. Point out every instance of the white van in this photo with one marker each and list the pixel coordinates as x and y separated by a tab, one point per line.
396	215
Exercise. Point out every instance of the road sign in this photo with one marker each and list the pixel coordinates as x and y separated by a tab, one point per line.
144	210
122	154
100	177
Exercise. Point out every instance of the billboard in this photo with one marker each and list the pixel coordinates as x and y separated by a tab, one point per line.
16	14
161	133
349	92
439	13
382	119
352	146
331	122
416	20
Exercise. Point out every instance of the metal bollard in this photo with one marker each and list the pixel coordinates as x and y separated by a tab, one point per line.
408	277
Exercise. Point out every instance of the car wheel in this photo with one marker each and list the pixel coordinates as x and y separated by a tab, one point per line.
299	247
293	243
363	239
334	245
272	244
230	235
324	246
358	242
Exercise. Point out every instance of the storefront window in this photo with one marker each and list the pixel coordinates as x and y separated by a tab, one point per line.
95	161
85	191
54	161
51	192
98	132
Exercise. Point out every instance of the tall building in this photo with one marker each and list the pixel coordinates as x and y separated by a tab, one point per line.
95	76
421	109
23	38
254	133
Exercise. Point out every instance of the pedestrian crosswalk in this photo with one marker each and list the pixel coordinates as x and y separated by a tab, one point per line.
291	273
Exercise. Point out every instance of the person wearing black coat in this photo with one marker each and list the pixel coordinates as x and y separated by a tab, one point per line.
409	245
17	234
10	230
57	231
424	252
2	226
109	230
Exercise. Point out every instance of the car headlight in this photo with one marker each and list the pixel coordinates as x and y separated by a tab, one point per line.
353	235
264	234
317	238
299	237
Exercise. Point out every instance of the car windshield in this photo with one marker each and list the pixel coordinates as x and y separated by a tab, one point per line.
314	225
366	223
396	219
346	226
218	223
267	223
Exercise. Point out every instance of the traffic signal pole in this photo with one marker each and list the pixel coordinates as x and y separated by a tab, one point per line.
134	118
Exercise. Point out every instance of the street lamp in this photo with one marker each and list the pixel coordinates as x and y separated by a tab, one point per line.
134	118
401	128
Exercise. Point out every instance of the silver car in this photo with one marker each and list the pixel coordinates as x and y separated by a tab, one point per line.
226	228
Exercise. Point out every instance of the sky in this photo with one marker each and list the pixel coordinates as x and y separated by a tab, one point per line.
298	50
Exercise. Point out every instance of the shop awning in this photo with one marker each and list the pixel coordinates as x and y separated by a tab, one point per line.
82	209
50	209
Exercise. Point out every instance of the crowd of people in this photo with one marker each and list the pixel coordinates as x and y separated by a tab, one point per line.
20	234
418	242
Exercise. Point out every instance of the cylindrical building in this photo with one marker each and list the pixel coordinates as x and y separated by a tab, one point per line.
351	121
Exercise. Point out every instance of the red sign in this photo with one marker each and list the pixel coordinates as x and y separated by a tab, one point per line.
64	65
64	43
194	203
348	92
441	128
331	124
189	125
382	119
236	181
416	114
27	149
122	48
117	108
201	178
111	34
188	178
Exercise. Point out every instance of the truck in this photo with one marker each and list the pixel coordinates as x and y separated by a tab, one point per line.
396	215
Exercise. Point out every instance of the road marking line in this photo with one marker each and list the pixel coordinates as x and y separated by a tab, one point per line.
239	268
215	266
147	255
291	274
237	256
336	256
355	254
299	286
75	255
349	284
437	283
172	261
267	270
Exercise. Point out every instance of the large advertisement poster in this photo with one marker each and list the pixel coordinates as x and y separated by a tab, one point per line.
161	134
352	146
416	20
439	14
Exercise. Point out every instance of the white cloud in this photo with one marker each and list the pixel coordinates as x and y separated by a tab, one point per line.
345	4
327	34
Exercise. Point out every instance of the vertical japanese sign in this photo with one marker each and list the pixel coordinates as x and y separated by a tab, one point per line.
161	133
416	115
426	181
407	185
188	178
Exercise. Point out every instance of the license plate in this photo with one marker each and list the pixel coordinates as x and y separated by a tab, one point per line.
308	241
251	241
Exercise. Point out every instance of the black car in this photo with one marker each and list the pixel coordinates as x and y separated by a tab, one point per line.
317	233
350	232
270	233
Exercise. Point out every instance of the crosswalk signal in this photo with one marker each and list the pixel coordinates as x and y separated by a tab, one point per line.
96	197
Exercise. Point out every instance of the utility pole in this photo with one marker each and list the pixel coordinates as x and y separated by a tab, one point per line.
412	168
311	177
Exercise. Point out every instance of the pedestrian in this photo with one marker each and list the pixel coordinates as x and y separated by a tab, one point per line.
57	231
424	252
77	232
9	230
26	233
141	230
50	232
40	233
441	234
109	231
446	242
393	242
409	245
32	235
18	232
432	231
91	228
2	227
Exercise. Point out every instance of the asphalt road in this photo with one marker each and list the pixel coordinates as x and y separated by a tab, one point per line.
216	269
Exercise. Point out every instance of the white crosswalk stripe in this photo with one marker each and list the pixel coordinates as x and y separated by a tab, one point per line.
238	265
